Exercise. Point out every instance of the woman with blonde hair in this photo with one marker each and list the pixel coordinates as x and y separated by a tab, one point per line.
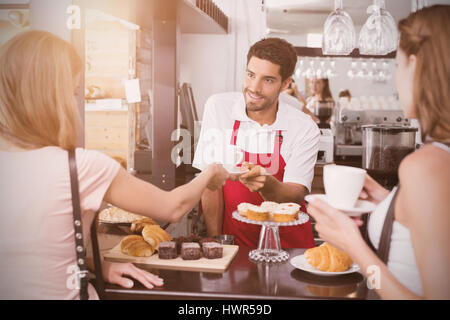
415	263
39	123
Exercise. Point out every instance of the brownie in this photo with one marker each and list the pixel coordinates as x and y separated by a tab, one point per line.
190	251
167	250
212	250
203	240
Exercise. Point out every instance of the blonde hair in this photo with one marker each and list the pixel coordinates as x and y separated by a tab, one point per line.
426	35
38	76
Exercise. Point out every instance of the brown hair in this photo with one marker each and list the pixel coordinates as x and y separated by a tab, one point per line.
277	51
345	93
426	35
38	77
326	92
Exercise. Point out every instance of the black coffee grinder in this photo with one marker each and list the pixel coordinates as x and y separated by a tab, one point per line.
324	110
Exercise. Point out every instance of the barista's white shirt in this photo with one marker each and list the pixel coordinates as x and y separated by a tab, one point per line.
300	135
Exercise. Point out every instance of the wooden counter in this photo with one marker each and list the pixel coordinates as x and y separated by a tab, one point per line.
243	279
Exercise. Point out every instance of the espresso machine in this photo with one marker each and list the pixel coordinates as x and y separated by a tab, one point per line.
349	123
323	110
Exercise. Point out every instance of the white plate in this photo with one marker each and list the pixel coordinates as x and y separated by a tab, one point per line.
361	206
301	263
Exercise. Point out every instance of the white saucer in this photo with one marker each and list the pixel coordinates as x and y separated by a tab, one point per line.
361	206
235	170
301	263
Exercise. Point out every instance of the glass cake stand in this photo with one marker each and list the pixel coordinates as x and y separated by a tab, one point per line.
269	245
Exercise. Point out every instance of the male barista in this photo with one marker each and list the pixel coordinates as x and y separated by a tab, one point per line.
279	141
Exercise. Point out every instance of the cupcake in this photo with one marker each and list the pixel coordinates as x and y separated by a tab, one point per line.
257	213
292	205
242	208
284	213
269	205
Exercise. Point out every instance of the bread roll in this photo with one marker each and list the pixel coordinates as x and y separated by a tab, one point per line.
328	258
154	234
136	246
138	225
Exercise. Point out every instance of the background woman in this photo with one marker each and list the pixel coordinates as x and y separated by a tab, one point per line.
419	258
39	122
321	92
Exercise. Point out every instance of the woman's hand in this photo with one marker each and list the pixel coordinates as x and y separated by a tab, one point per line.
373	191
114	273
219	176
335	227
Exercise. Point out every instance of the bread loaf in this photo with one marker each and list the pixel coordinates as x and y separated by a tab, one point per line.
328	258
136	246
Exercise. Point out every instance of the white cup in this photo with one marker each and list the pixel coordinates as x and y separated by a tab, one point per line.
228	155
343	185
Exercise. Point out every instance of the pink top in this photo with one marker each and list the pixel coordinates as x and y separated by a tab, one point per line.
37	246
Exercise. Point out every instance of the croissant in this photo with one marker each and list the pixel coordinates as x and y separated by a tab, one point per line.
138	225
154	234
136	246
328	258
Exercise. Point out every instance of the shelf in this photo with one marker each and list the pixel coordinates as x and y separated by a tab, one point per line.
317	52
194	20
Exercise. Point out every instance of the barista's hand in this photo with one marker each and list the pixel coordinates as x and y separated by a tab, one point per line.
255	179
218	177
373	191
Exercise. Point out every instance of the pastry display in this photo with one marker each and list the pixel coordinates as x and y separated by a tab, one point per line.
270	211
328	258
138	225
212	250
190	251
167	250
136	246
117	215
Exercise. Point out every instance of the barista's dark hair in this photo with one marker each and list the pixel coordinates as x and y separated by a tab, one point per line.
277	51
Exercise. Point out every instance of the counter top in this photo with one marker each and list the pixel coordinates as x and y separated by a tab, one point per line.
245	279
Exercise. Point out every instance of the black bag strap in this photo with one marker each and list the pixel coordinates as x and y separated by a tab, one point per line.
100	284
384	245
83	273
386	234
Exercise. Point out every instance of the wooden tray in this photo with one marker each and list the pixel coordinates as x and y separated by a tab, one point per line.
201	265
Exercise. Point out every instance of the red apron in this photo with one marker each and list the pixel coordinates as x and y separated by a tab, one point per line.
234	192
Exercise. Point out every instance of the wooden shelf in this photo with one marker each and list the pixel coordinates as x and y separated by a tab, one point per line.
194	20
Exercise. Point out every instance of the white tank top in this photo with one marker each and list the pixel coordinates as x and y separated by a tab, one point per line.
402	260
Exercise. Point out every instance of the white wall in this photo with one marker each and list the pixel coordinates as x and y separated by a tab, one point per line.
215	63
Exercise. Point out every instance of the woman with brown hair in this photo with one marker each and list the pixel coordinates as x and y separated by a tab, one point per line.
39	122
416	259
321	92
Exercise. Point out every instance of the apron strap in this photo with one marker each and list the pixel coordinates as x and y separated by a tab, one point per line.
236	126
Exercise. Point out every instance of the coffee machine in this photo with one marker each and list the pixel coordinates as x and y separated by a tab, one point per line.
349	122
323	110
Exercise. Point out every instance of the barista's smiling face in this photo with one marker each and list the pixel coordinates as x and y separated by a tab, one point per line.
262	85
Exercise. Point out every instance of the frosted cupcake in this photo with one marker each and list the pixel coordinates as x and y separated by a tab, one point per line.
257	213
284	213
292	205
269	205
242	208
